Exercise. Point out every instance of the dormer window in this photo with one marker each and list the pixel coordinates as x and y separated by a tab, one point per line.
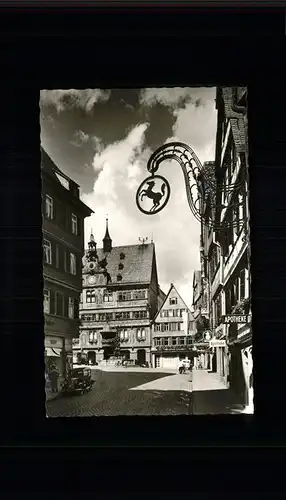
120	266
122	256
119	277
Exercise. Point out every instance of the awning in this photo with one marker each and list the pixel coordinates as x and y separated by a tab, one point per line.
53	352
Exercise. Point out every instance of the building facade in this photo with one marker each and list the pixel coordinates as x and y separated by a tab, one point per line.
63	247
119	301
232	268
173	332
225	253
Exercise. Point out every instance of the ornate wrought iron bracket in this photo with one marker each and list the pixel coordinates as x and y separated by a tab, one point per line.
201	188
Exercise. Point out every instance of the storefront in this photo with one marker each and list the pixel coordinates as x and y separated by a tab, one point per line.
170	358
55	353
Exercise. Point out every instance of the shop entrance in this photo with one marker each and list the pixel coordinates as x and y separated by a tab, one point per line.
107	352
141	356
91	358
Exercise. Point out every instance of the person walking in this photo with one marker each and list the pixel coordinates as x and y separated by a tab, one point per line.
54	376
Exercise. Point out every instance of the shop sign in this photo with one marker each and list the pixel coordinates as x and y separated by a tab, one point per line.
236	318
217	343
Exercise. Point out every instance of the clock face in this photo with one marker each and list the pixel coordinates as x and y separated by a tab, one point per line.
91	280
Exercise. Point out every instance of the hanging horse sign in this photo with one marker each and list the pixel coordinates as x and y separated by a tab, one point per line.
201	187
153	194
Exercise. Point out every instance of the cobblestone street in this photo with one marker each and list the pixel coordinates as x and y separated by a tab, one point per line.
111	396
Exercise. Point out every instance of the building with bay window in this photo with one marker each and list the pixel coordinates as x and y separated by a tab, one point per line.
119	300
63	247
173	330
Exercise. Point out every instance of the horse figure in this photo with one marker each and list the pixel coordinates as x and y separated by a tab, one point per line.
155	196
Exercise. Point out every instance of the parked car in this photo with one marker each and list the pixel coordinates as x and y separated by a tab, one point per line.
78	381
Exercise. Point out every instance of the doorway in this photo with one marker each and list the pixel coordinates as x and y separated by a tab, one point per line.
141	356
91	358
107	352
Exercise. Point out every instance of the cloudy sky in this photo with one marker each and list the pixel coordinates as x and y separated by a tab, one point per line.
102	139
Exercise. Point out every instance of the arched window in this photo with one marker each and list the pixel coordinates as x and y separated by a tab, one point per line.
122	256
119	277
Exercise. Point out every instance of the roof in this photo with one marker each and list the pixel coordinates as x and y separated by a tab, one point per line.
72	188
51	168
172	287
197	276
138	262
162	294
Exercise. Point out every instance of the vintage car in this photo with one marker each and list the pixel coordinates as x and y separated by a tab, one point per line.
78	381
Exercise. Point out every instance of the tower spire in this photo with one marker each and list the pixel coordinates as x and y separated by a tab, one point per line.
107	241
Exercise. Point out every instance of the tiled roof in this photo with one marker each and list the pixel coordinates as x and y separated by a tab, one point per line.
137	263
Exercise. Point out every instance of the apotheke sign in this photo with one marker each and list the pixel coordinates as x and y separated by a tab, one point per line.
236	318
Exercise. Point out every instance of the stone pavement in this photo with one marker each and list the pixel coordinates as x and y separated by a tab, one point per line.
110	396
170	383
207	381
138	369
210	395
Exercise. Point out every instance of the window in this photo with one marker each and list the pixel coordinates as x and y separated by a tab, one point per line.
101	317
124	335
122	315
181	312
74	224
120	266
181	340
72	263
170	313
109	316
47	301
47	252
71	308
49	207
119	277
173	301
165	341
92	337
141	334
157	342
242	284
90	296
124	296
174	341
139	314
80	298
176	312
107	296
165	327
59	304
122	256
139	294
165	313
157	328
173	327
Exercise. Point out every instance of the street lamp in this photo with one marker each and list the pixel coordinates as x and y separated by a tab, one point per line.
200	182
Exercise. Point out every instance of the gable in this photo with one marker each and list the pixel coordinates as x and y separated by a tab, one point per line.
176	303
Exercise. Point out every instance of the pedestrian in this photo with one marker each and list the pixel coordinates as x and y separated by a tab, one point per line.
54	375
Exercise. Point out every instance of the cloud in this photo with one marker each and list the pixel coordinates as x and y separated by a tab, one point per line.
121	168
80	138
72	98
171	97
